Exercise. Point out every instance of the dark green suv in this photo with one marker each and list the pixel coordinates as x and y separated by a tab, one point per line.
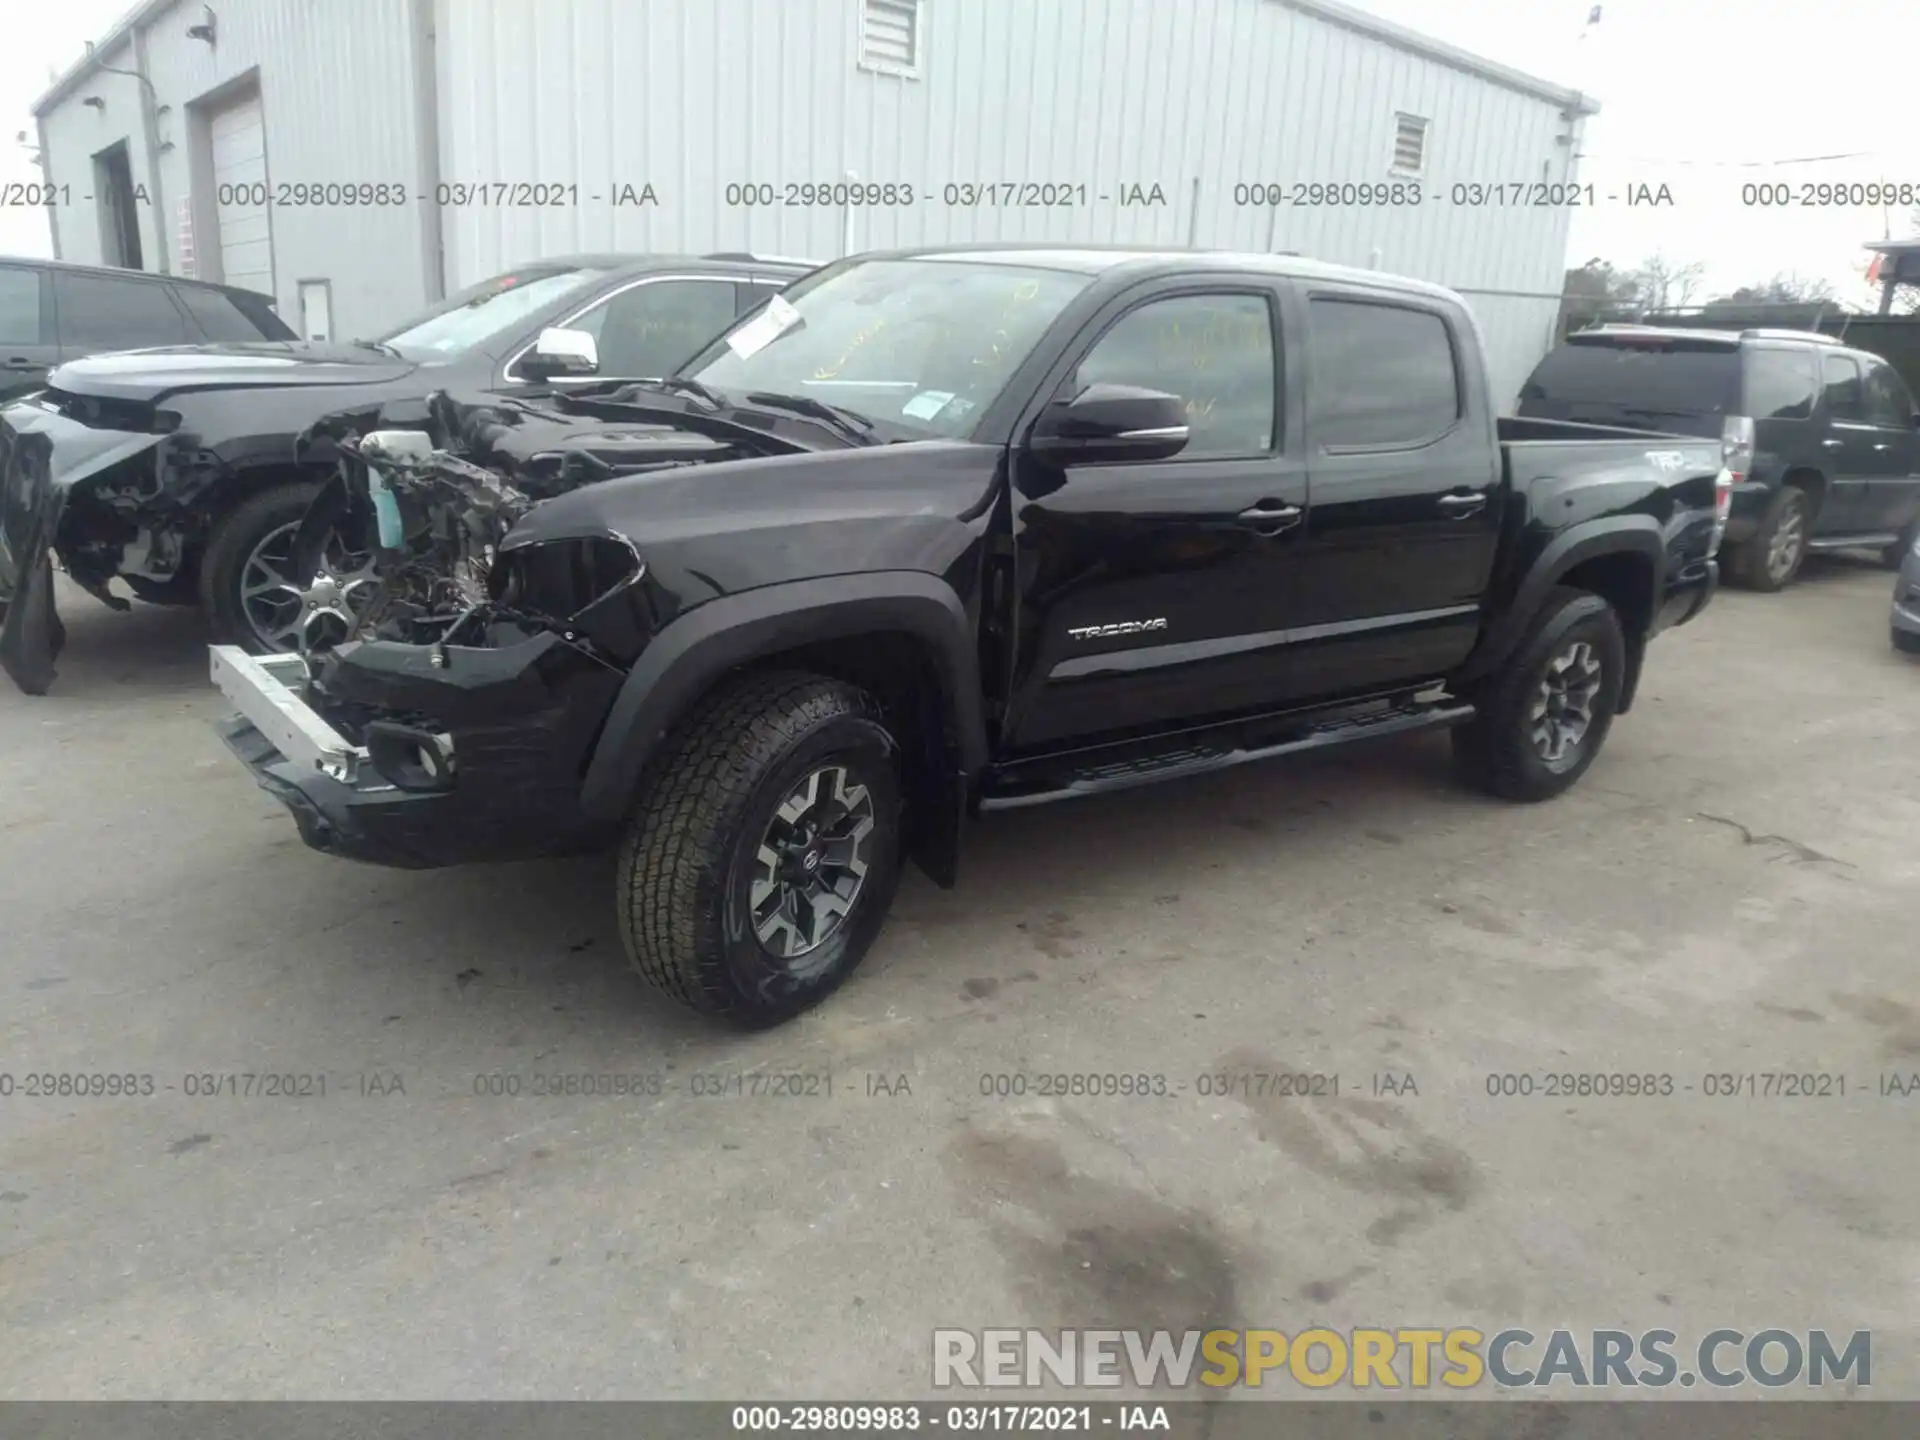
1821	438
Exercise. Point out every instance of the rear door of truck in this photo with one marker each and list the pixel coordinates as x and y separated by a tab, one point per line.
1404	485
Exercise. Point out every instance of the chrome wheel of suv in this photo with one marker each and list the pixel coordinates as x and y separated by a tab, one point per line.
284	614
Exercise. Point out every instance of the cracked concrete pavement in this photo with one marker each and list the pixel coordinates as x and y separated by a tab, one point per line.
1731	891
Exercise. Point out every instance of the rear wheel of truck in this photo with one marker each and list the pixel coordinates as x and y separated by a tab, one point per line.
764	851
1770	558
1542	720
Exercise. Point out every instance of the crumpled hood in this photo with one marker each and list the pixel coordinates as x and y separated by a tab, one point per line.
167	370
43	454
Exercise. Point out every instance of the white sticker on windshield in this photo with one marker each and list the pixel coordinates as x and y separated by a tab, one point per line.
766	327
926	405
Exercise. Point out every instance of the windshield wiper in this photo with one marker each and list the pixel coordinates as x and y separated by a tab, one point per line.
675	383
848	423
379	345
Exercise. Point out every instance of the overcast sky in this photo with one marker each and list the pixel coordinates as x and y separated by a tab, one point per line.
1701	95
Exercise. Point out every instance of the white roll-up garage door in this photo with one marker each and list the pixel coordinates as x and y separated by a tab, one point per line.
240	195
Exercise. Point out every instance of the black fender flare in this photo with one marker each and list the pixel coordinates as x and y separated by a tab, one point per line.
1613	535
695	651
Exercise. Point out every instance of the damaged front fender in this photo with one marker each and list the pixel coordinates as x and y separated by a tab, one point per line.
44	457
434	491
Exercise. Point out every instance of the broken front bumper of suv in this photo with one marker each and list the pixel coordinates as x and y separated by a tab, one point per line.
421	756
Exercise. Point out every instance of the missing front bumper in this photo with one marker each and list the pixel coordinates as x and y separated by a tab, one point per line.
265	690
468	754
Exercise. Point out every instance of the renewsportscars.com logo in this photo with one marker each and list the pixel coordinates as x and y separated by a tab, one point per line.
1399	1358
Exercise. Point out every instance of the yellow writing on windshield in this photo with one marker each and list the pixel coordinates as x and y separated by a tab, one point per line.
1001	341
831	370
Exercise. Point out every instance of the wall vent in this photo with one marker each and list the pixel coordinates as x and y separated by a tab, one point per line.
1409	144
890	37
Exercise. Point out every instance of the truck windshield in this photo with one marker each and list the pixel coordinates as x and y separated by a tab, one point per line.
486	311
1634	379
924	345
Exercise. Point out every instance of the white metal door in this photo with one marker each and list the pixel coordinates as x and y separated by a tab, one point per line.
240	195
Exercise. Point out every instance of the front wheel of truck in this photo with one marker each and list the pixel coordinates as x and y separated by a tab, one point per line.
764	849
1542	719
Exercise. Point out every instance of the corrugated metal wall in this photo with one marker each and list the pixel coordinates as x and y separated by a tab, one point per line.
1193	96
336	82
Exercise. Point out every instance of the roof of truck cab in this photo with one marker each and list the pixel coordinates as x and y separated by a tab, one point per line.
1102	259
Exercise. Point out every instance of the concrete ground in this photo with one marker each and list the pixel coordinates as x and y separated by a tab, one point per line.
1731	890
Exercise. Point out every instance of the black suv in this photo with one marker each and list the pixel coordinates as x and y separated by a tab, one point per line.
1821	439
52	312
198	499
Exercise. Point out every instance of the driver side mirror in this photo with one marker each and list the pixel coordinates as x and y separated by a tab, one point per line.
561	352
1109	425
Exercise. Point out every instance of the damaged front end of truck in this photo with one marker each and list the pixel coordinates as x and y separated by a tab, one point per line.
481	656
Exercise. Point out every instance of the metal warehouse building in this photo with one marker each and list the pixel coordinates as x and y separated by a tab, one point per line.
358	158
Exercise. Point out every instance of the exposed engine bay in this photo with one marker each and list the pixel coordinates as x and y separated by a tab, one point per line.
409	542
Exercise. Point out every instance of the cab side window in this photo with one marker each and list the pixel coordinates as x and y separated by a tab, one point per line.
1384	376
1216	352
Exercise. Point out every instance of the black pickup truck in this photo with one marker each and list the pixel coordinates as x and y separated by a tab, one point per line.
944	531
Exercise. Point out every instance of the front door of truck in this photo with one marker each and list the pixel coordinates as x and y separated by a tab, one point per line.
1407	494
1158	590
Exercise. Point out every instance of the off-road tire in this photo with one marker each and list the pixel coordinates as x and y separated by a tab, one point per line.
685	868
233	539
1747	562
1496	751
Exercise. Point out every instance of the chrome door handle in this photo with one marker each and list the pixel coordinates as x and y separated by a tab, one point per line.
1463	505
1883	447
1270	519
1833	444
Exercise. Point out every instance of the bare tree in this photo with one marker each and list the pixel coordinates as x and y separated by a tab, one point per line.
1661	284
1784	289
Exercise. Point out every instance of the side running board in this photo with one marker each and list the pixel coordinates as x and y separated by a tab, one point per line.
1042	779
